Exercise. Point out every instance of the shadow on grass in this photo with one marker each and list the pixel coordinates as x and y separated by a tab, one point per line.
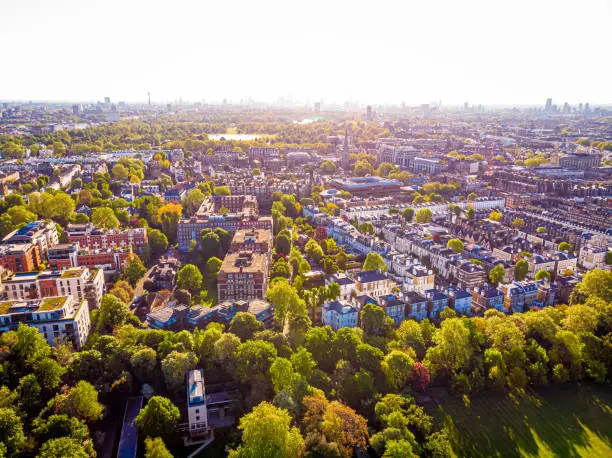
569	421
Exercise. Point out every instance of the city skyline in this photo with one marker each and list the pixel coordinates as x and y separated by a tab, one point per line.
330	52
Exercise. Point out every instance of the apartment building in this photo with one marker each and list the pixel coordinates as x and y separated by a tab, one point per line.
58	318
243	276
79	283
340	314
374	284
93	238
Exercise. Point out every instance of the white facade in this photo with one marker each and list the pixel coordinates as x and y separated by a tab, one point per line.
197	412
592	257
340	314
58	319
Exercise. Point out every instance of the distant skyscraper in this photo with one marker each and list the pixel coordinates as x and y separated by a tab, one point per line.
369	115
466	106
346	150
76	109
106	100
317	107
548	106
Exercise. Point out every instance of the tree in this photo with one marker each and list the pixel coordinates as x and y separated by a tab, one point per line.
384	169
267	431
192	201
564	246
144	362
328	167
281	374
155	448
20	215
313	250
472	197
420	377
345	427
366	228
120	172
254	357
113	312
470	213
169	215
63	447
222	191
245	325
104	217
452	349
424	215
174	367
158	418
521	269
190	278
596	283
374	261
283	243
158	241
495	216
287	304
518	223
541	229
456	245
363	168
60	426
397	366
496	274
134	269
542	275
81	402
408	214
11	432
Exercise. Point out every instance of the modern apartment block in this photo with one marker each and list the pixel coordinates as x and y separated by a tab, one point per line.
58	318
79	283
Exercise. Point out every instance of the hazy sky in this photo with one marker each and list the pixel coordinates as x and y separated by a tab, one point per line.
373	51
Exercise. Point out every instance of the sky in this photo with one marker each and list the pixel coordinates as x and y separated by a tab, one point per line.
372	52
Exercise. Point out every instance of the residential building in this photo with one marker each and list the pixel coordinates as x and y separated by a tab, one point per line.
79	283
58	318
488	297
592	257
540	262
469	274
93	238
436	302
461	301
165	272
41	234
243	276
254	240
347	285
373	283
340	314
197	414
20	257
394	308
416	305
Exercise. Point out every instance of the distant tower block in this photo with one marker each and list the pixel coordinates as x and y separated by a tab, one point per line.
369	116
317	107
149	96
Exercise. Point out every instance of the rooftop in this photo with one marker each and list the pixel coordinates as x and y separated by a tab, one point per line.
51	303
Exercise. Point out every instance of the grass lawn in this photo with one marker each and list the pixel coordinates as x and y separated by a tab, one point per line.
569	421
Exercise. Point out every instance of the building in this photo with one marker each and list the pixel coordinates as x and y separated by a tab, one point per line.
339	314
367	186
419	278
461	301
254	240
428	166
227	212
58	318
79	283
539	262
592	257
68	255
243	276
394	308
165	272
347	285
579	161
197	414
93	238
436	302
486	298
41	234
470	275
416	305
373	283
20	257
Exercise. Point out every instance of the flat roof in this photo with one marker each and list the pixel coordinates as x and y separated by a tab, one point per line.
128	442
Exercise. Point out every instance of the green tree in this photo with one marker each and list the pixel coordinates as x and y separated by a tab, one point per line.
158	241
384	169
542	275
456	245
81	402
134	269
11	432
267	432
424	215
363	168
174	367
190	278
245	325
397	366
496	274
113	312
518	223
366	228
283	243
104	217
66	447
120	172
254	357
472	197
144	362
408	214
374	261
192	201
281	374
158	418
521	269
470	213
155	448
313	250
328	167
564	246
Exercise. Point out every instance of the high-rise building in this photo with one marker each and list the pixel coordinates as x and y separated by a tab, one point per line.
548	106
369	115
317	107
